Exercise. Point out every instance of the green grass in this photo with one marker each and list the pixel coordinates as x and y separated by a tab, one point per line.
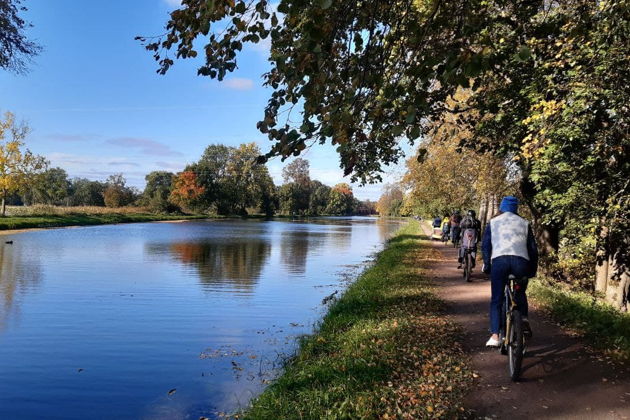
605	327
384	350
48	221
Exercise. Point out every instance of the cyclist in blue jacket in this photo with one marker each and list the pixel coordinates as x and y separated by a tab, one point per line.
508	247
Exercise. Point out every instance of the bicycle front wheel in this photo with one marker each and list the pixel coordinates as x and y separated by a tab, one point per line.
516	345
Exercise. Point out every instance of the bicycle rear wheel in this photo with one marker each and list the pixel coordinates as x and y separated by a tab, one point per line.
467	266
516	345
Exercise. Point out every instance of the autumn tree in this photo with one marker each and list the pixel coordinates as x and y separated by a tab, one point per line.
186	190
15	48
443	176
18	166
340	200
233	180
390	201
117	193
297	171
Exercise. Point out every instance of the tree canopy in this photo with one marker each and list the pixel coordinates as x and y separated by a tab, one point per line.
15	48
18	165
547	85
365	73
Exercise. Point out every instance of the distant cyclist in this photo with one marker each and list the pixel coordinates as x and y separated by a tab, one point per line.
437	222
455	220
508	248
446	228
470	229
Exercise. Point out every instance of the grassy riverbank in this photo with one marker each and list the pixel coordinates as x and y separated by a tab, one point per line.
605	327
384	350
48	216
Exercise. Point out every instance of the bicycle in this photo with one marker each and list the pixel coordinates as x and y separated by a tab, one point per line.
467	262
445	237
511	333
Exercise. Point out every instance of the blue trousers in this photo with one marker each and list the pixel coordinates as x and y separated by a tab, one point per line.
502	267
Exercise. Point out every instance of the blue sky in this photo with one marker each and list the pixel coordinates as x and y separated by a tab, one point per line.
97	106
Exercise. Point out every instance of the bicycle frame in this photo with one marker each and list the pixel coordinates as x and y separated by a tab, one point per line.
509	304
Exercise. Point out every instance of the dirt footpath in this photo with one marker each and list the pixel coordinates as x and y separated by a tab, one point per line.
561	378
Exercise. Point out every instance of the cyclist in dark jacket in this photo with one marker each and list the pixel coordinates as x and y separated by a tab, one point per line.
473	226
508	247
455	220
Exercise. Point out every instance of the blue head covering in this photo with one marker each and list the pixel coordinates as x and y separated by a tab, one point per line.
509	203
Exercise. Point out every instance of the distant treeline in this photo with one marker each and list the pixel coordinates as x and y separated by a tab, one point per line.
225	181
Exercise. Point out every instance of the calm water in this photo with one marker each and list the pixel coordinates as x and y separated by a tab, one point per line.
164	320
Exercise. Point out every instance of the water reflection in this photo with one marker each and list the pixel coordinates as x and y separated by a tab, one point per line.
113	305
15	278
236	264
296	245
384	226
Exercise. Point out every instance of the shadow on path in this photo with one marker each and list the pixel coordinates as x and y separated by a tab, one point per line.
562	379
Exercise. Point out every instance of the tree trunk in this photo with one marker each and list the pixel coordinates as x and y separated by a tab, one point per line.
483	212
624	292
601	261
4	203
617	285
547	235
548	238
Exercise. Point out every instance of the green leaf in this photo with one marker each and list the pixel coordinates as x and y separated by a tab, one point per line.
324	4
524	53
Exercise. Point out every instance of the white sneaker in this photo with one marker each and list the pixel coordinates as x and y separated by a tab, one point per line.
493	342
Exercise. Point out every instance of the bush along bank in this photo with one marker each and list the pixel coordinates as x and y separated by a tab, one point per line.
384	350
602	325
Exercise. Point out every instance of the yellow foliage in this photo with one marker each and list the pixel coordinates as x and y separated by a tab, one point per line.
16	165
448	177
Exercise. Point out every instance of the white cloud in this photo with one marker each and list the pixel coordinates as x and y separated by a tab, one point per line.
238	83
173	3
145	146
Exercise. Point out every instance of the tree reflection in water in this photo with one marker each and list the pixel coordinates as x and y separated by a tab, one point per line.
295	246
237	263
16	277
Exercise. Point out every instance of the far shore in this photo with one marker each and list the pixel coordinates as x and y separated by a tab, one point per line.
14	224
19	224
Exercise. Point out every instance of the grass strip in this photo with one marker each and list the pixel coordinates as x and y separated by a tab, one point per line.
384	350
48	221
602	325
